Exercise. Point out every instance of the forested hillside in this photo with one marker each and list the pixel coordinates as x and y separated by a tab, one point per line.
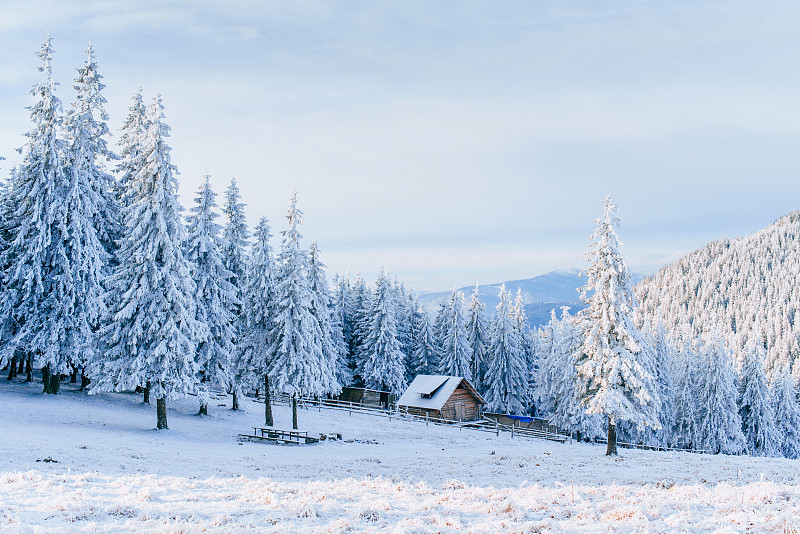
745	288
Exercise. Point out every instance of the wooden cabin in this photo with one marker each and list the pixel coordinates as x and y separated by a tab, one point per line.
442	397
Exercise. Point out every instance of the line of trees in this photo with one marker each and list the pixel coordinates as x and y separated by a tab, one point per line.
104	278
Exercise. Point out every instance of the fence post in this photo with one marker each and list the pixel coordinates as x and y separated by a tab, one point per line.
497	427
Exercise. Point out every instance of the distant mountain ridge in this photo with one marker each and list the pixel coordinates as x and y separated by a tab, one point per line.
542	294
747	289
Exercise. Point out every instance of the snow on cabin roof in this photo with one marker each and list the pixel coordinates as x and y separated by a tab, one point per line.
438	387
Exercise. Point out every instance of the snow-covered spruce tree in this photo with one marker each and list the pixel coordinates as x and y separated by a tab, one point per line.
234	243
383	367
686	368
344	315
131	143
215	295
361	298
333	346
478	337
299	365
755	409
54	259
787	412
456	352
719	427
528	342
251	361
665	356
152	334
87	132
424	359
506	375
557	387
615	383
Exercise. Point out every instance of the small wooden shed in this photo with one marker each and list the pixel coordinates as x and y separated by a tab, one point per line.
442	397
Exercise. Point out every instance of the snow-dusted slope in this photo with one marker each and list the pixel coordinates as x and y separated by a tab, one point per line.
115	473
745	287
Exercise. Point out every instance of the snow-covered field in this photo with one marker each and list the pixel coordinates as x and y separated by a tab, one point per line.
112	472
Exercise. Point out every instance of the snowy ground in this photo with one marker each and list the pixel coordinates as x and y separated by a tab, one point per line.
114	473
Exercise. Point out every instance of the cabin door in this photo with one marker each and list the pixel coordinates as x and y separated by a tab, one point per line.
461	413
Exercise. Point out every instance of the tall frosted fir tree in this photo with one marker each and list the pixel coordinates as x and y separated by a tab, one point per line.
54	259
424	356
506	375
456	352
755	408
787	412
234	244
383	367
477	335
615	382
299	365
215	295
258	297
152	334
719	427
131	144
333	345
88	150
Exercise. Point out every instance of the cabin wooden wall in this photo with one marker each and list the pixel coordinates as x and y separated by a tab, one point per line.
471	406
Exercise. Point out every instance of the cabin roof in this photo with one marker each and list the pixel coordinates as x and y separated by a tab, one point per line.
437	387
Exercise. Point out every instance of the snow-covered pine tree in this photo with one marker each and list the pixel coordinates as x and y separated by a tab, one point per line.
54	259
151	334
343	309
719	427
528	341
383	367
478	337
361	298
787	412
664	354
234	243
131	143
755	409
686	368
456	352
215	296
616	384
333	346
87	131
298	363
251	357
506	375
424	357
557	387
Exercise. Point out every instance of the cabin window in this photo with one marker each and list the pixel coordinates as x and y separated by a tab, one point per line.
425	395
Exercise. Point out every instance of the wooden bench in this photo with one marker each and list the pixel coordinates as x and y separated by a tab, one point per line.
282	437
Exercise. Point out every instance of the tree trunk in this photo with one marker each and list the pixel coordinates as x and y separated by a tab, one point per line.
235	399
45	379
84	379
267	403
22	360
203	409
294	412
73	377
161	413
146	395
55	384
12	368
28	368
612	438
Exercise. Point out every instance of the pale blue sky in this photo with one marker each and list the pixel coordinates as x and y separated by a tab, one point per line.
453	142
